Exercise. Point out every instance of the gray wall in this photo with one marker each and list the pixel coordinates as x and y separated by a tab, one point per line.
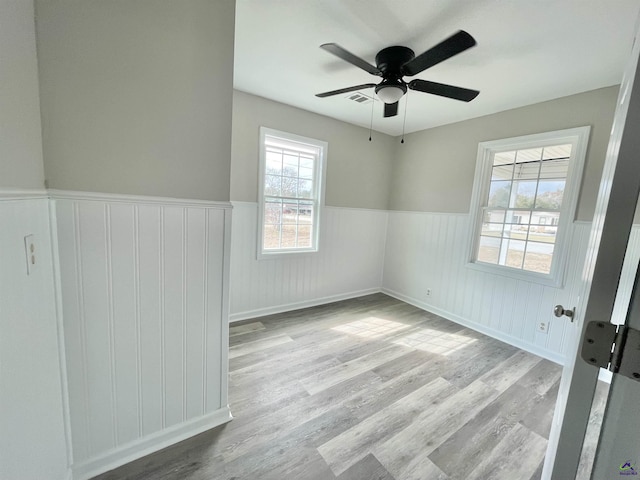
434	169
136	96
358	171
20	138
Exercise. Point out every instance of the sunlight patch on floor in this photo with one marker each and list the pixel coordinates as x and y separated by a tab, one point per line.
435	341
426	339
371	327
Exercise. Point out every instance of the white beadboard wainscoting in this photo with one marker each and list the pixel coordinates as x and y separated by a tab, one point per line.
33	438
429	251
144	298
348	263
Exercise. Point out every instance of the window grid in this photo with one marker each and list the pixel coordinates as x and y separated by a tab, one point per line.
291	196
506	256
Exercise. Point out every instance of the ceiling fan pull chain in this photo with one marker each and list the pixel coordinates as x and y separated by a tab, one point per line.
371	124
404	122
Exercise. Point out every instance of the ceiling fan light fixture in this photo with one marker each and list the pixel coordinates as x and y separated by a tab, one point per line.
390	93
391	89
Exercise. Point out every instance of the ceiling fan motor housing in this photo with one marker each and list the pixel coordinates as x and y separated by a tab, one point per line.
391	59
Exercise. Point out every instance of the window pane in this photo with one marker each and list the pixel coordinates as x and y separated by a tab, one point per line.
289	236
489	250
305	188
514	253
273	212
272	185
520	217
305	213
306	172
550	194
525	194
527	171
289	187
554	168
502	172
499	194
274	163
543	233
492	229
290	213
306	162
290	164
517	232
494	216
538	257
304	236
502	158
528	155
557	151
271	237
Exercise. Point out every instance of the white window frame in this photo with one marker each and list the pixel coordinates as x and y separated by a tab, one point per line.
578	138
319	177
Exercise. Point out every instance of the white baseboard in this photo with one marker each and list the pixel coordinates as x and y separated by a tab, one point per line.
149	444
531	348
262	312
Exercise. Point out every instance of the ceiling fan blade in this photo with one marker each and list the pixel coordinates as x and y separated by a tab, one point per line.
347	56
345	90
390	109
453	45
449	91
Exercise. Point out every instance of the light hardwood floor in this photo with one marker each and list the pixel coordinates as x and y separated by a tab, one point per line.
369	388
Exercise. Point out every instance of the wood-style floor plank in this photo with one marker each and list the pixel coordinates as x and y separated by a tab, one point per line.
368	468
517	455
365	389
334	375
459	455
431	427
258	345
542	377
340	452
245	328
506	373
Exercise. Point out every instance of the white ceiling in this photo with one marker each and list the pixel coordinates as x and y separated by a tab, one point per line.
528	51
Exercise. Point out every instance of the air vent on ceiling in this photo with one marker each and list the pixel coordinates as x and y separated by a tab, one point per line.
360	98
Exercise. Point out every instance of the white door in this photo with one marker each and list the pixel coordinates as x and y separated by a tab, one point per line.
619	444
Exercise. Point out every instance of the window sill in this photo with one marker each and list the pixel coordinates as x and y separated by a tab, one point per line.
532	277
286	253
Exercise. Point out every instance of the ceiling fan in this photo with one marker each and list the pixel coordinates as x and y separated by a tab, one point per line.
393	63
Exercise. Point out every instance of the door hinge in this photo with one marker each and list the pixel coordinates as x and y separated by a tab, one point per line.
614	347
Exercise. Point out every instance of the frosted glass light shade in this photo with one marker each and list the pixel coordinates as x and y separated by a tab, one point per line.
390	94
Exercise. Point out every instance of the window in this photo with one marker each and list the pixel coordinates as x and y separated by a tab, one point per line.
291	186
524	201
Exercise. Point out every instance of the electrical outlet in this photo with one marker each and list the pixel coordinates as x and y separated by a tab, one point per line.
543	327
428	292
30	252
